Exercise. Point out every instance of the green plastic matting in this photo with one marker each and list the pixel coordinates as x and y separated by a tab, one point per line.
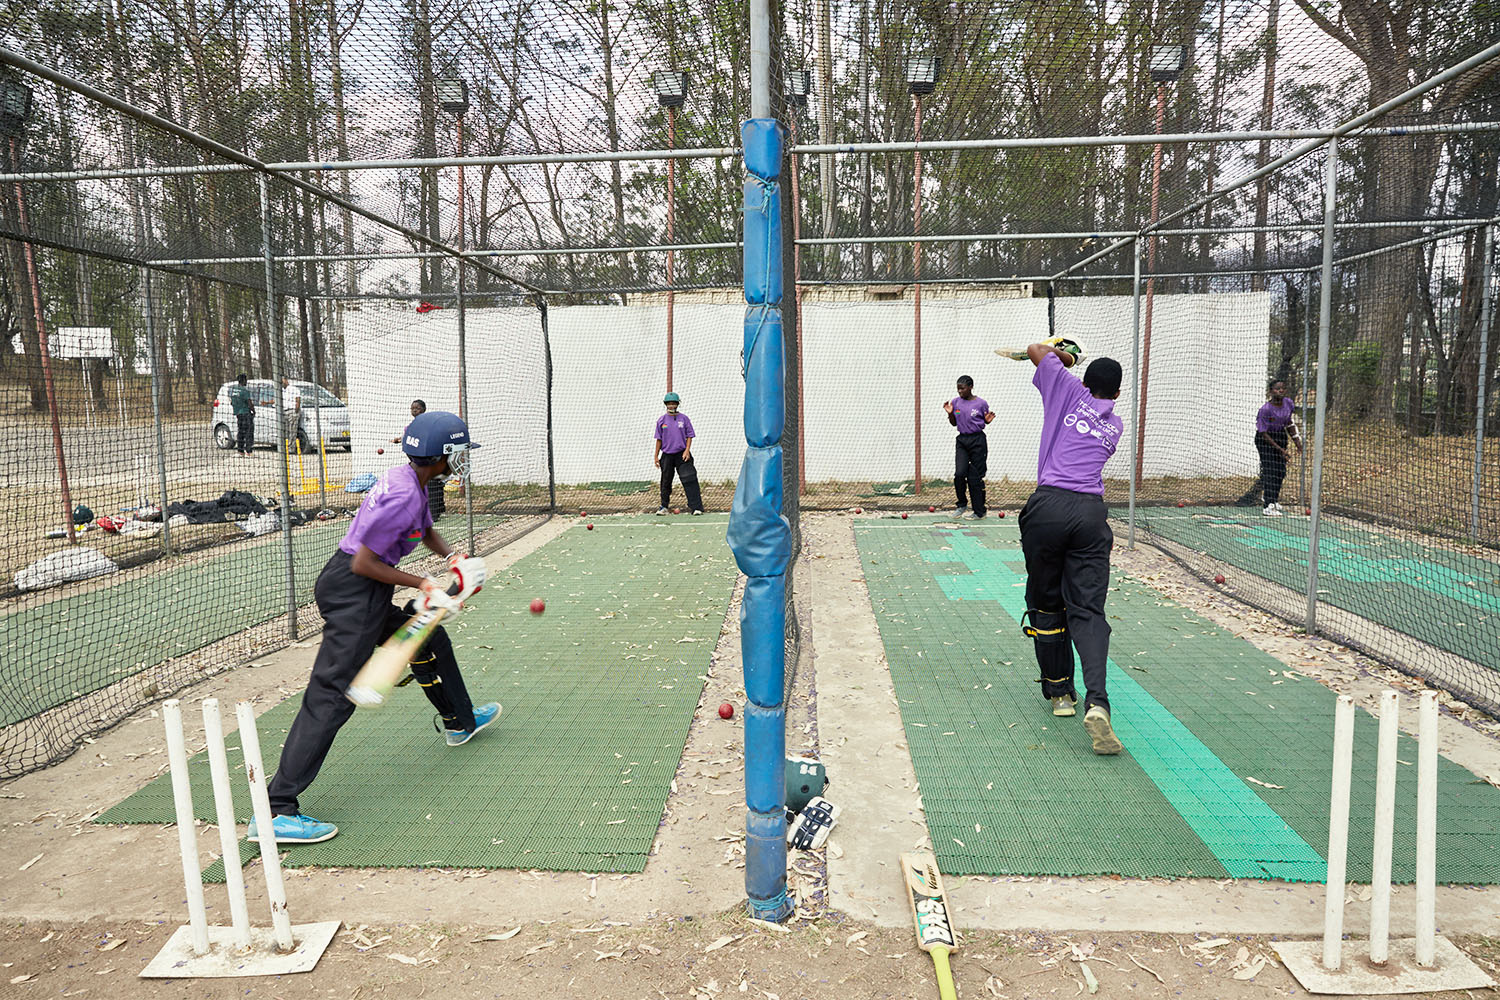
1228	753
54	651
598	692
1447	599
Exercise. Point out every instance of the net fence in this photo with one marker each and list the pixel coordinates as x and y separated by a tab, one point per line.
597	218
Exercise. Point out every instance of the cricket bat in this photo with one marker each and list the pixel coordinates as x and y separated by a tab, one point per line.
929	912
378	677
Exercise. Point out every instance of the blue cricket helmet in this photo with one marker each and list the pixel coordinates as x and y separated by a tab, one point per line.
436	433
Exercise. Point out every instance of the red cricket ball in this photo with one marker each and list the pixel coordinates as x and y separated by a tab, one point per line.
859	510
591	527
932	510
726	711
380	451
1182	503
538	605
677	510
1218	578
583	513
903	516
1001	514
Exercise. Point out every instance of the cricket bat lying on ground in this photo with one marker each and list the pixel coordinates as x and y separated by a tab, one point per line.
929	912
375	680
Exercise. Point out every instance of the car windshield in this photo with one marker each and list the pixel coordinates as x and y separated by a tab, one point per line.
324	397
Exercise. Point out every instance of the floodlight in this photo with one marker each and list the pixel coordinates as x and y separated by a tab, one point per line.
671	87
922	73
452	94
1167	62
15	106
798	87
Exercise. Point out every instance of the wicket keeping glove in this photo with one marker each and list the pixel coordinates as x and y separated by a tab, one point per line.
471	573
433	598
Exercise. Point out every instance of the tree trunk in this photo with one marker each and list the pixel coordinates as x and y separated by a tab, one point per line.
341	137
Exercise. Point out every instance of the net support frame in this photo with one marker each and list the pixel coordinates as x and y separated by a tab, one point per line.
1481	378
1320	422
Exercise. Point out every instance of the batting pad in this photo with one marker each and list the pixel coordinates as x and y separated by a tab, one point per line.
598	694
1228	752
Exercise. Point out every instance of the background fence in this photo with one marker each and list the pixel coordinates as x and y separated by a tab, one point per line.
531	214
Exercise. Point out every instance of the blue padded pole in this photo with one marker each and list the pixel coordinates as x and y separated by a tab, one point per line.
758	533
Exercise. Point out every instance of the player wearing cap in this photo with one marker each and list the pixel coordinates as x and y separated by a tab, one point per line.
354	594
1065	533
674	452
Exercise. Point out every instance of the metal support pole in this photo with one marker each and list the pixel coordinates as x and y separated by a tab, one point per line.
671	254
1325	323
1306	373
916	226
41	334
463	343
797	306
278	369
1145	369
1485	302
1135	387
161	443
541	304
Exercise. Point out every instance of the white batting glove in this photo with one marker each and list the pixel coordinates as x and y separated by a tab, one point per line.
471	573
434	598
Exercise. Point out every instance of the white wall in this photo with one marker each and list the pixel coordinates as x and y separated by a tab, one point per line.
1207	378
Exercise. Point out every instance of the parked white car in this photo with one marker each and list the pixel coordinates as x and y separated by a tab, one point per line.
319	407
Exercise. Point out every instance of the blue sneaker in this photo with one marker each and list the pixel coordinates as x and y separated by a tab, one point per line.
483	716
297	829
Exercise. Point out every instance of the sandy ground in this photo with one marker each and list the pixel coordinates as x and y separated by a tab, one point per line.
84	907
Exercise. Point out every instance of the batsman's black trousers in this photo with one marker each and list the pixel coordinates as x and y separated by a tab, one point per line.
357	617
971	456
244	425
1066	539
673	461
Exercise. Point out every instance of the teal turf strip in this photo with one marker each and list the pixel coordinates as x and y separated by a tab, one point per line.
1246	835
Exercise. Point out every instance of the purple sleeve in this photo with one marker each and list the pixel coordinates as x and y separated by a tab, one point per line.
688	430
1263	418
1053	381
658	428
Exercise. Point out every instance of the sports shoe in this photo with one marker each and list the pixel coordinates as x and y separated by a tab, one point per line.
1063	704
1096	722
1278	508
661	510
697	512
296	829
1271	511
960	510
483	716
972	516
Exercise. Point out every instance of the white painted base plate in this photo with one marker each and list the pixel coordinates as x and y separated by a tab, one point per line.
1400	974
223	960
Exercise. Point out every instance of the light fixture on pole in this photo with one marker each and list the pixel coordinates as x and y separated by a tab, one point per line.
15	109
922	74
452	94
671	86
1165	63
798	87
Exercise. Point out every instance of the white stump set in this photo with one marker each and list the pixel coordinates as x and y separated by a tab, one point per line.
1409	965
199	950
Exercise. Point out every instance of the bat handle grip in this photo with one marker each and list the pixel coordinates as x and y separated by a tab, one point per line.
944	974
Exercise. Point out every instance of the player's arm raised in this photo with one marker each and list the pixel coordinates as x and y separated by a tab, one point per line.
1036	352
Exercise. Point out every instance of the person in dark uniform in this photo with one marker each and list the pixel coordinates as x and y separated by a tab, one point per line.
354	596
1065	534
674	453
242	403
436	502
971	451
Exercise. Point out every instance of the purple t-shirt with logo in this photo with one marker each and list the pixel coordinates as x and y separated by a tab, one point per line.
1274	418
1079	432
393	518
673	430
970	414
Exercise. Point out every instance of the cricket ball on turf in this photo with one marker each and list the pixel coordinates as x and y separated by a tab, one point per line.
932	510
583	513
1218	578
903	516
677	510
380	451
1182	503
1001	514
538	605
726	711
591	527
859	510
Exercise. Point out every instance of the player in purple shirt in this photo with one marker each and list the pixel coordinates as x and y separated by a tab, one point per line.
1275	425
354	597
971	451
674	452
1065	534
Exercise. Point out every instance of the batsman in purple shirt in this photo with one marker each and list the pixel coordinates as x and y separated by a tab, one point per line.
354	594
1065	534
971	451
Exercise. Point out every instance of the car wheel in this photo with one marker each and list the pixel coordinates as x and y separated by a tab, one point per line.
222	437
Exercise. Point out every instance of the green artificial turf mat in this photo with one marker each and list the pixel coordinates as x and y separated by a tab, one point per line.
1010	789
1447	599
78	644
619	488
598	695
